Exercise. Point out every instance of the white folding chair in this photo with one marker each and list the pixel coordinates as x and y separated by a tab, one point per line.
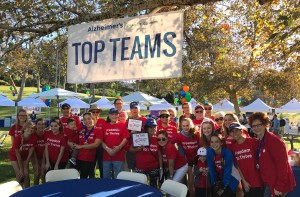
174	188
63	174
132	176
9	188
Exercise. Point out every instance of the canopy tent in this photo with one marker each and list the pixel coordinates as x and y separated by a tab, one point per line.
104	103
127	107
31	102
57	93
4	101
194	103
161	106
2	94
224	105
75	103
257	106
141	97
293	106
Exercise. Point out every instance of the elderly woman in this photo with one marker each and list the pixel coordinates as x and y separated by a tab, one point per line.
219	119
271	158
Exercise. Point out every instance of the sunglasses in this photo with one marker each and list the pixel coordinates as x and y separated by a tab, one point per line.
208	108
217	119
95	112
200	112
164	116
161	139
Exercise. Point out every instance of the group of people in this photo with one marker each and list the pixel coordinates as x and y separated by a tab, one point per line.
212	154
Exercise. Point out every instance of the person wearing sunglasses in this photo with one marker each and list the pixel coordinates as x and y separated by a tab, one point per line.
149	159
165	125
187	113
271	158
172	119
175	163
208	110
66	114
200	116
219	119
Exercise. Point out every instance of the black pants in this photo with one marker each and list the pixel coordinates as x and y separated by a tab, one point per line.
61	165
99	159
86	169
227	193
254	192
202	192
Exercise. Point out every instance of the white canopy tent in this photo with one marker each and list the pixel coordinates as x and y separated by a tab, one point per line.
104	103
142	98
4	101
257	106
2	94
293	106
194	103
127	107
75	103
31	102
224	105
161	106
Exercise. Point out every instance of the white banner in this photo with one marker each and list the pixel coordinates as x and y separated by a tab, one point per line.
144	47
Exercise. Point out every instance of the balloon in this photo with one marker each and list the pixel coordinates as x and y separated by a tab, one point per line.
14	94
44	100
44	89
48	87
87	92
176	101
13	91
48	102
188	97
183	100
118	94
118	97
206	101
182	93
239	102
185	88
10	88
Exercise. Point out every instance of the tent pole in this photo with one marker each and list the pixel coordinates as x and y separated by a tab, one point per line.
57	106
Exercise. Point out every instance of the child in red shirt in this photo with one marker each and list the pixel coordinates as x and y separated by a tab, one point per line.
202	187
72	136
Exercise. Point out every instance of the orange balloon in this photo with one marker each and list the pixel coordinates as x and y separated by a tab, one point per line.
185	88
183	100
119	97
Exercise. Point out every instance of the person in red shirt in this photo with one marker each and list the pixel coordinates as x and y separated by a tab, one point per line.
208	111
207	129
188	142
244	152
165	125
271	158
219	119
72	134
89	139
135	114
149	159
115	137
174	162
56	151
172	119
21	153
201	177
39	157
66	114
200	117
15	130
187	113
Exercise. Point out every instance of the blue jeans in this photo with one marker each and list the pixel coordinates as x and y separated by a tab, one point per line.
109	166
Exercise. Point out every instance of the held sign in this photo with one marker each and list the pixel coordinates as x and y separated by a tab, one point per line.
144	47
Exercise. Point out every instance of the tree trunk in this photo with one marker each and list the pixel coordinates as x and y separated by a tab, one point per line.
24	77
92	92
13	84
64	83
103	89
75	87
235	102
38	84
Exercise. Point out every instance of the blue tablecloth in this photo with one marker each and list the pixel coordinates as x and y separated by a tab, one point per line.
90	187
296	191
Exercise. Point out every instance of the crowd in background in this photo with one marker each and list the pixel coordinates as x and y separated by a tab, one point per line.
214	155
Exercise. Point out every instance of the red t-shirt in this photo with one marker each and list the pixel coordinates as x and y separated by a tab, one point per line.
245	158
72	135
14	131
40	146
113	135
204	180
89	154
199	122
229	141
65	119
55	142
171	130
190	145
171	122
171	152
100	123
219	165
23	145
147	159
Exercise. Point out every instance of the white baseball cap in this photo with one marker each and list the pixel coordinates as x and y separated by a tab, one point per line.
201	151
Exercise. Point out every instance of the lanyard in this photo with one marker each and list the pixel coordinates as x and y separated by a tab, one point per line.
86	136
259	147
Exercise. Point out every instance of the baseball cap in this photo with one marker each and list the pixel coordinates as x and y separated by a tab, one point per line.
113	111
134	104
199	106
150	122
66	105
201	151
235	125
164	112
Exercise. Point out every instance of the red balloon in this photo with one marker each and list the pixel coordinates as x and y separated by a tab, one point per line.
183	100
185	88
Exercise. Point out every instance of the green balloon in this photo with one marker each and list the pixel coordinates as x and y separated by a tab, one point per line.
87	92
47	87
10	88
188	97
118	94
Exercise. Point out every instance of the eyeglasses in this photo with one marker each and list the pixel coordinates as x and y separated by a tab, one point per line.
65	108
256	126
161	139
200	112
217	119
208	108
164	116
95	112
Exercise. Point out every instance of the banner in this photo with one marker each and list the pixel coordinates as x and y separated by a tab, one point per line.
144	47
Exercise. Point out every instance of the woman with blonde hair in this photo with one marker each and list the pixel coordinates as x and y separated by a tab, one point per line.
219	119
16	129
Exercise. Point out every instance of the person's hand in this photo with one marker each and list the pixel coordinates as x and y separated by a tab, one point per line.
20	175
47	166
277	193
246	185
77	146
205	172
56	167
161	173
